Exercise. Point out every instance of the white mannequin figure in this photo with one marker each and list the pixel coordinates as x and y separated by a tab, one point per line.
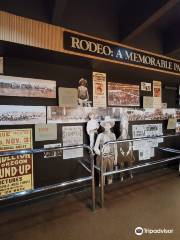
92	127
109	154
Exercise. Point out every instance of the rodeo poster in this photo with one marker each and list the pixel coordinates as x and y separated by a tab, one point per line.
16	172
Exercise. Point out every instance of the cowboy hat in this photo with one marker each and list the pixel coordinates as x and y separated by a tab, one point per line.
107	119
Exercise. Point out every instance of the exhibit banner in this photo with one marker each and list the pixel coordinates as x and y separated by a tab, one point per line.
120	94
72	135
1	65
157	94
16	172
19	115
111	51
99	89
27	87
45	132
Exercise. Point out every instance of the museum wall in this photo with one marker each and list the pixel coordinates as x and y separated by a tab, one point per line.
50	171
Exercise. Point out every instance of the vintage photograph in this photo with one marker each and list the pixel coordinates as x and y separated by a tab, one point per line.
27	87
145	86
120	94
17	115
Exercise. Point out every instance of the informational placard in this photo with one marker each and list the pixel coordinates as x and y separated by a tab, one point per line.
1	65
99	89
16	172
147	130
72	135
120	94
145	86
157	94
146	148
45	132
68	97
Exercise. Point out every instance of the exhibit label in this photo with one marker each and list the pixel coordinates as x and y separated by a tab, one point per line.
16	172
116	52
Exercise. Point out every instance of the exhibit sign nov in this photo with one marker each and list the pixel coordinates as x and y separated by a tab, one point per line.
16	172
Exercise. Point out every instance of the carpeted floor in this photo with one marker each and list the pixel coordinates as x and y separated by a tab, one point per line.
151	201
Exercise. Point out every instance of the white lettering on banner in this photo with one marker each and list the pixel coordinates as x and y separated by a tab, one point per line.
121	53
91	46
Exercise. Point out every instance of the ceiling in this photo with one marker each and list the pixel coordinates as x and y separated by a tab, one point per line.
150	25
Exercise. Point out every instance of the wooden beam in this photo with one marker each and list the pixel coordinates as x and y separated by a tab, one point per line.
171	40
155	13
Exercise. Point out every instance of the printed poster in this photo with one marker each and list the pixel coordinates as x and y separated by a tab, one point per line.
99	89
157	94
16	172
120	94
72	135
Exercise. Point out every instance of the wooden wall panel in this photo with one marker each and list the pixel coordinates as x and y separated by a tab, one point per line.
30	32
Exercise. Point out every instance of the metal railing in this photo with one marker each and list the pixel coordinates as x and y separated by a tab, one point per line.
83	163
139	166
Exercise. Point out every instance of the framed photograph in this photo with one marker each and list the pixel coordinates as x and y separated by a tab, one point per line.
120	94
22	115
145	86
27	87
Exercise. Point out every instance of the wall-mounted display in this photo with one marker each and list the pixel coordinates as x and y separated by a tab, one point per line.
72	135
1	65
16	172
45	132
68	97
146	148
157	94
147	130
83	93
79	115
99	89
120	94
19	115
27	87
145	86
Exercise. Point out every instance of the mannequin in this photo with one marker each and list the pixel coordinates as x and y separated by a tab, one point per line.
92	127
109	154
125	149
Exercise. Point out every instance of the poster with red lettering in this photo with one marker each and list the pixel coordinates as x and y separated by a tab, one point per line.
16	172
